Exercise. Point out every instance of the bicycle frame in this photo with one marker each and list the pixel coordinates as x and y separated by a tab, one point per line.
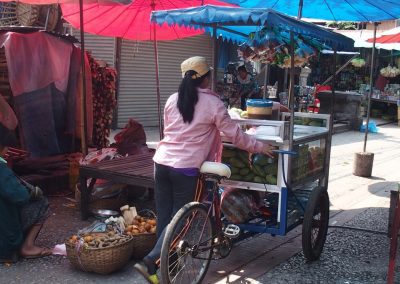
215	208
214	211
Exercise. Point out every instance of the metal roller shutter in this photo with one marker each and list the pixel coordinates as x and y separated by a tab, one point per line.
137	93
101	47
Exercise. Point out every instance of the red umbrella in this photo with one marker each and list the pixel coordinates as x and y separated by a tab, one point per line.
133	22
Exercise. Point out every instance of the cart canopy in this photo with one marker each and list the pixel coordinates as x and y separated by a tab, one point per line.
237	23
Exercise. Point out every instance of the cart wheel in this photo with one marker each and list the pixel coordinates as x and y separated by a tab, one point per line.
315	224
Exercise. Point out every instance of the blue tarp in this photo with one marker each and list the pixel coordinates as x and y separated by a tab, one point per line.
336	10
246	21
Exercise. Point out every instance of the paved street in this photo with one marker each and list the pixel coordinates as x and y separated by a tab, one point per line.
349	256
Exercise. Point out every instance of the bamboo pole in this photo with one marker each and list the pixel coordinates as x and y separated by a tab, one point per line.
83	70
160	126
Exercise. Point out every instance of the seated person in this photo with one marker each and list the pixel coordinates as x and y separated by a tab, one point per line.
23	210
248	87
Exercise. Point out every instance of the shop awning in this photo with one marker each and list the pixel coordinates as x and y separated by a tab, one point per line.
361	37
227	21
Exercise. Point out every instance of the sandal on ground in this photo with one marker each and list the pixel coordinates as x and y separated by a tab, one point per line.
44	252
142	269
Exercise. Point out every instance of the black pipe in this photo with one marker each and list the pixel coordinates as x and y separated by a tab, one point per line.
370	87
358	229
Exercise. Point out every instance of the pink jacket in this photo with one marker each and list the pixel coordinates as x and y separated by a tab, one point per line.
189	145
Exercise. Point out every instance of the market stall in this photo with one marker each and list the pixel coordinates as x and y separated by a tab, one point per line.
388	95
293	185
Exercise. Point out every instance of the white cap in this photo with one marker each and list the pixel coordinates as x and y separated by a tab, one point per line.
198	64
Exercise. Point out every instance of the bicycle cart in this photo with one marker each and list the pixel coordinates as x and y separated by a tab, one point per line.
294	190
291	191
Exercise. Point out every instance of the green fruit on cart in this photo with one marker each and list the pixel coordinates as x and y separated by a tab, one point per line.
271	169
258	170
270	179
243	156
244	171
225	160
235	170
249	177
306	120
260	159
258	179
315	123
237	163
236	177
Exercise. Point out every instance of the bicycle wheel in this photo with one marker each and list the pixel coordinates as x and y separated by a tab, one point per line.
187	248
315	224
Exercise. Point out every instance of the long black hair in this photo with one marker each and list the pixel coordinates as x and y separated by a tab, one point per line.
187	94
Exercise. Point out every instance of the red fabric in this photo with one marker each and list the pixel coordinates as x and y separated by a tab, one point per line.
395	38
28	73
132	139
320	88
381	82
132	21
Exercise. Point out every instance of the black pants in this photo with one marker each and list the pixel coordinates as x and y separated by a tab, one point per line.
172	191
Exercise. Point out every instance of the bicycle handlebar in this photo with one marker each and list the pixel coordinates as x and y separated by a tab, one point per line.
285	152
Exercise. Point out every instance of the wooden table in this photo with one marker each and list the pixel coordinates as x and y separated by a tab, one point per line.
132	170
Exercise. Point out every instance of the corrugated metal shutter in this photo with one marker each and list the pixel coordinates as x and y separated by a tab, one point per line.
101	47
137	93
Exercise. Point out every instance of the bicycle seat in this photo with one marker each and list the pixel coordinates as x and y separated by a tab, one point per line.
214	168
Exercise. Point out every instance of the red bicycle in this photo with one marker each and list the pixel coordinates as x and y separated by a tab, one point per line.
195	235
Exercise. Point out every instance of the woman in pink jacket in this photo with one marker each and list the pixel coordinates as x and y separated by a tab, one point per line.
193	119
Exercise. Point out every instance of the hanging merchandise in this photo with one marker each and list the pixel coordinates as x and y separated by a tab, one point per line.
358	62
390	72
104	101
272	47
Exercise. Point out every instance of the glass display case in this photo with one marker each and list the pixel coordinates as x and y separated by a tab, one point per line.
260	172
264	174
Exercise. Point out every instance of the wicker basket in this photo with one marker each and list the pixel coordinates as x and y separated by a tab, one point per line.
143	244
100	260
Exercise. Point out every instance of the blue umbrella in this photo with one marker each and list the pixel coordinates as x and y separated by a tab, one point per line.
237	23
336	10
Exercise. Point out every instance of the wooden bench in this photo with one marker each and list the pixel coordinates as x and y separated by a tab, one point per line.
134	170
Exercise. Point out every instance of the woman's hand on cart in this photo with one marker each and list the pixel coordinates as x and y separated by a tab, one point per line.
269	150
